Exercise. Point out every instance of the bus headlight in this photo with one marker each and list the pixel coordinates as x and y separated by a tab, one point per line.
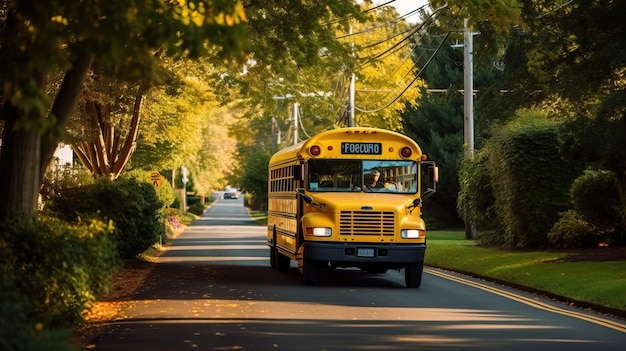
412	233
316	231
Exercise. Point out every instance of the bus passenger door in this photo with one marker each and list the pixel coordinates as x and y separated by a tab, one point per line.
299	181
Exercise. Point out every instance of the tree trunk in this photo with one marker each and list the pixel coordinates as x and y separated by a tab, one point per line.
621	187
104	155
26	152
62	108
19	171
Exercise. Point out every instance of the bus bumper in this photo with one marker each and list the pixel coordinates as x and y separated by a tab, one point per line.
365	253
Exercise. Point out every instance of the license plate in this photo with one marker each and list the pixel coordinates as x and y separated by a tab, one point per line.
365	252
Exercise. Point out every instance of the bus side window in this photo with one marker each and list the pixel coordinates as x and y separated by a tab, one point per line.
297	172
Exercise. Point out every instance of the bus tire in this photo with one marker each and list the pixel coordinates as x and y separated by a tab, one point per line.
282	262
413	274
273	256
309	272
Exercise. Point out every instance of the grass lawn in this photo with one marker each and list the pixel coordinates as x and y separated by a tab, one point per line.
601	283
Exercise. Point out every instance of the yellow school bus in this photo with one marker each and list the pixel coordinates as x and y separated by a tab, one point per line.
349	198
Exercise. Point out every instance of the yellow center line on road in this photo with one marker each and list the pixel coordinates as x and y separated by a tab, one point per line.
531	302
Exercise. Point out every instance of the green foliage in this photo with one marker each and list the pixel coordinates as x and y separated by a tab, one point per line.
491	16
530	179
519	182
62	39
175	221
435	120
491	238
297	51
123	34
197	208
68	267
184	124
253	174
436	124
542	63
571	231
132	205
476	201
596	198
58	178
165	193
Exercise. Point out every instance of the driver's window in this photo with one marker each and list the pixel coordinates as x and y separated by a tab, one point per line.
390	176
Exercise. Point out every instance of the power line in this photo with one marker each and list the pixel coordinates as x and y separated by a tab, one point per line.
364	11
411	83
405	39
388	51
393	20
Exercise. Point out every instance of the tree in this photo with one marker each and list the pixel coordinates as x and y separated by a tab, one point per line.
544	61
541	53
435	122
385	74
376	50
112	111
38	40
253	174
435	119
185	125
295	54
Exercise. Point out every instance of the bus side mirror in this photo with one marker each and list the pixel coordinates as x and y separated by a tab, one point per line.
433	174
307	198
297	170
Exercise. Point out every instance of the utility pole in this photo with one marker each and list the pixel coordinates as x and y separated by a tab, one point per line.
185	173
468	106
468	87
295	122
351	122
275	130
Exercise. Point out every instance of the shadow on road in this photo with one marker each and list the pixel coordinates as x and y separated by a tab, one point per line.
213	289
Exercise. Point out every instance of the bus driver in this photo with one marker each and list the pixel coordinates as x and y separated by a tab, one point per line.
374	182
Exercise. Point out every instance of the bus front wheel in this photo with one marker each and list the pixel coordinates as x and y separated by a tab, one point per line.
309	271
413	274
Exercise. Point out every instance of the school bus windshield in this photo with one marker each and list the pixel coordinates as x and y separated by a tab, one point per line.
344	175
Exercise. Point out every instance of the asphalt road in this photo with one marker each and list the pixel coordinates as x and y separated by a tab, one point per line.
213	289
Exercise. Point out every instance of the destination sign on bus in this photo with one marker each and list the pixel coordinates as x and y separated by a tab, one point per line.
361	148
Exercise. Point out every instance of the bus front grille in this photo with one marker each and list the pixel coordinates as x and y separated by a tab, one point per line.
370	223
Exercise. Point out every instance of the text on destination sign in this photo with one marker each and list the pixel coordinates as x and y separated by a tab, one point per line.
361	148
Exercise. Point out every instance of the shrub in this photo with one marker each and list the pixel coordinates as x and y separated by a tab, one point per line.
175	221
596	198
197	208
192	200
491	238
132	206
56	179
530	179
14	324
165	192
68	266
571	231
475	202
